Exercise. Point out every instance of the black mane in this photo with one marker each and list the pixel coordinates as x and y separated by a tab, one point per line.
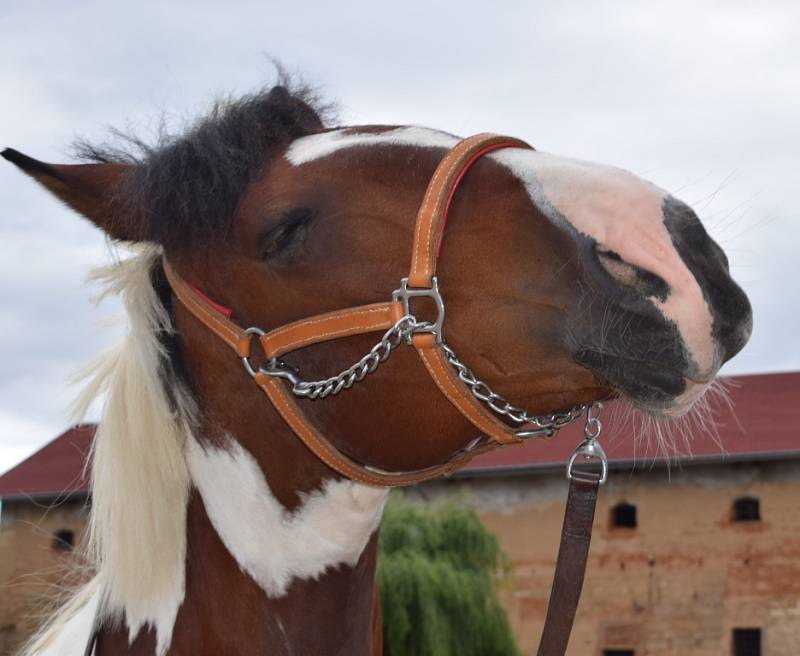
184	189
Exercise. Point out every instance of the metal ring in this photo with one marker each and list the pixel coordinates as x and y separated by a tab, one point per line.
246	360
593	426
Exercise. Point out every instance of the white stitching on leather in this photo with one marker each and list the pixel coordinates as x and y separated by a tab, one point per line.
494	425
344	331
456	153
331	316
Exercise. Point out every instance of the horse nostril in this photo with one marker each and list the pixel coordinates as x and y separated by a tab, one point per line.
736	326
631	277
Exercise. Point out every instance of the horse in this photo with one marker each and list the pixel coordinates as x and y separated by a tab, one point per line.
213	528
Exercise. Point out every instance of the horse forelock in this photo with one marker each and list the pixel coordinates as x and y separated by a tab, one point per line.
182	187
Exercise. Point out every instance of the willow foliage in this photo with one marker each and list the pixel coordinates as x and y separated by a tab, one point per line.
438	573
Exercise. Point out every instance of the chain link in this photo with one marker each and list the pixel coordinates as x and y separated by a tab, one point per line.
544	425
378	354
530	425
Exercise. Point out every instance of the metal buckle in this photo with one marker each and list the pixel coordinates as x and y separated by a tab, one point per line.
589	450
406	293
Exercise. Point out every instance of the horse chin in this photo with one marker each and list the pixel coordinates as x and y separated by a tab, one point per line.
652	388
677	407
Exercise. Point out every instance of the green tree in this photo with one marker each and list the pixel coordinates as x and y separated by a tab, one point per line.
438	574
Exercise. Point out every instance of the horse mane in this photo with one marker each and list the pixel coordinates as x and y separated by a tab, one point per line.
185	188
139	477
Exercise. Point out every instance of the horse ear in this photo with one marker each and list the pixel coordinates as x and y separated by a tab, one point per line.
86	188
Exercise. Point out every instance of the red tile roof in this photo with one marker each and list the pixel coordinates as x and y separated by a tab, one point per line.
764	424
55	470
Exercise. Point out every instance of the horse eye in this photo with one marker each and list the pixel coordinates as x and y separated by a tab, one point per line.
287	233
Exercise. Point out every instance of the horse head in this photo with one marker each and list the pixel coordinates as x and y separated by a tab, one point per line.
564	281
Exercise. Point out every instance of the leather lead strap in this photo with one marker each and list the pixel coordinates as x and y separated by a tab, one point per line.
565	593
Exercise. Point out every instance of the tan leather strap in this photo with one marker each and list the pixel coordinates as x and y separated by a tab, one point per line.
217	323
298	334
341	323
428	233
433	211
318	444
435	361
565	593
353	321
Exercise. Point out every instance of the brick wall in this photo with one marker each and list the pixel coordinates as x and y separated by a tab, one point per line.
33	570
678	583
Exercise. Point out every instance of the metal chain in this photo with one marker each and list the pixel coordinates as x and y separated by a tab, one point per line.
545	425
319	389
530	425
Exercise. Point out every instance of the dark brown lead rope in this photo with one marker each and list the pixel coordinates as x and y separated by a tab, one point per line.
576	536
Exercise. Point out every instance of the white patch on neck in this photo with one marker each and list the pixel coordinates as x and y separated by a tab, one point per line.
273	546
315	146
71	630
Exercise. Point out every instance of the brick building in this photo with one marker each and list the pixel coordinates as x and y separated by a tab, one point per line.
42	518
701	558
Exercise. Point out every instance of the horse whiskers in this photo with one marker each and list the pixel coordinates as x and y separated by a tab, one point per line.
670	439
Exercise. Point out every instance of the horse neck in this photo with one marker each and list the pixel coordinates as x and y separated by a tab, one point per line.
281	553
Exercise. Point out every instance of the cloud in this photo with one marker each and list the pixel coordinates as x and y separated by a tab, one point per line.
698	96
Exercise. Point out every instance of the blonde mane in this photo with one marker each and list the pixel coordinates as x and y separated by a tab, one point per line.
139	477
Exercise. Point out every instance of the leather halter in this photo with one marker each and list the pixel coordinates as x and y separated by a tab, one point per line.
377	317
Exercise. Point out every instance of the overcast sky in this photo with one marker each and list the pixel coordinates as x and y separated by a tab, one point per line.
701	97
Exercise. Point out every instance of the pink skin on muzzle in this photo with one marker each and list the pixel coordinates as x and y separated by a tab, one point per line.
623	213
